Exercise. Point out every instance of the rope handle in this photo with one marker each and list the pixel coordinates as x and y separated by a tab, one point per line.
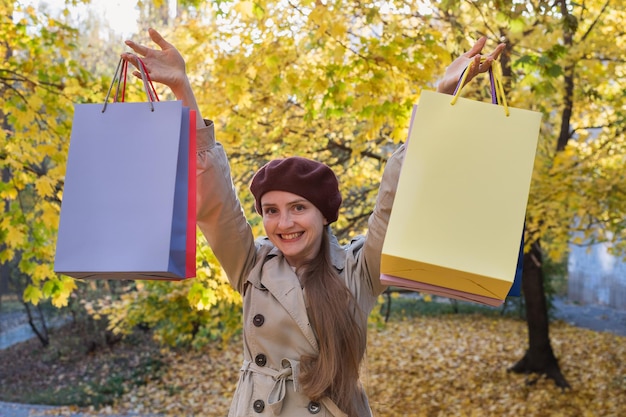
495	81
119	79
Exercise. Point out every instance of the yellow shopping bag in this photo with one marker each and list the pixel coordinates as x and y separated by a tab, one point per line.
461	199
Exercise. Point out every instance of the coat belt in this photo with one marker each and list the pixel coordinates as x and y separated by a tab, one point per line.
290	371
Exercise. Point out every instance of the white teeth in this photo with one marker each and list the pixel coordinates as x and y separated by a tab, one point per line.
291	236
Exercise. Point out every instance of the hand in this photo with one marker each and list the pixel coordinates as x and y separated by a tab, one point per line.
480	64
165	66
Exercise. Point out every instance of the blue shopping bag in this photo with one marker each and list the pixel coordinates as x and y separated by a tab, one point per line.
516	288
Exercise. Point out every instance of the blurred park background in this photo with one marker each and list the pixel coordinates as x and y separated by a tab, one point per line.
336	81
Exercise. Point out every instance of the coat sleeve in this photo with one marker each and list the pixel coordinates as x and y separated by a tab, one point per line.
379	219
219	214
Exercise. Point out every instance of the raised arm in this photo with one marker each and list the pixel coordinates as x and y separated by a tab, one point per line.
219	213
379	219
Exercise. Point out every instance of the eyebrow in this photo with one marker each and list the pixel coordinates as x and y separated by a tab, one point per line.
296	201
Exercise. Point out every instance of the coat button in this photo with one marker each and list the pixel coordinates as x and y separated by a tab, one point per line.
314	407
258	320
258	406
260	359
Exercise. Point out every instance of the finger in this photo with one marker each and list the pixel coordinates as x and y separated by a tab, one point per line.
140	49
477	47
496	53
159	40
489	59
476	64
485	65
130	58
133	59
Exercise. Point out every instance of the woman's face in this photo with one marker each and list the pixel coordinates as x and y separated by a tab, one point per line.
293	224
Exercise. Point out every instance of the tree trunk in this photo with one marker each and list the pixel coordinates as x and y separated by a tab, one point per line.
539	357
15	278
42	334
4	208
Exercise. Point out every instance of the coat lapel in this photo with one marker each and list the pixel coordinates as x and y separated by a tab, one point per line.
281	281
337	254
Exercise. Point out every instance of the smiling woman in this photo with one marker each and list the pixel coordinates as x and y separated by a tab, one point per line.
293	225
295	212
306	299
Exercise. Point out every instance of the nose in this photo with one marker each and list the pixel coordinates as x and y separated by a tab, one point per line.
285	220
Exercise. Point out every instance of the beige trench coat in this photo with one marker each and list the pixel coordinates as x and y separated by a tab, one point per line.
277	331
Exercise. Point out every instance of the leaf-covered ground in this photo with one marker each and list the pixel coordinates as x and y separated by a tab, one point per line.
428	366
448	365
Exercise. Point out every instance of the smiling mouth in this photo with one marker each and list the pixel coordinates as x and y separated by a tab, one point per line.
291	236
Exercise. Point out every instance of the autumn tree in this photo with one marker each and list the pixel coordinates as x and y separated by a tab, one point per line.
581	185
563	59
49	66
38	82
336	81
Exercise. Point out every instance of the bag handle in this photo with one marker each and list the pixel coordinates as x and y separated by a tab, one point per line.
120	76
495	80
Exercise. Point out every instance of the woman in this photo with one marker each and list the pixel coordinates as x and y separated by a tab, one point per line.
305	298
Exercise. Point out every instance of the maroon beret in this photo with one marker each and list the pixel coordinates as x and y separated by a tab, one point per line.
307	178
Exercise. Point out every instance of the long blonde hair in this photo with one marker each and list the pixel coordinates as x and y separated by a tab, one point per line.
333	312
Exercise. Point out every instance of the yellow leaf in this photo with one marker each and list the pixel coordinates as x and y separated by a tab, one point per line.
49	213
35	102
246	8
251	72
338	30
9	194
32	295
15	236
41	272
44	186
65	287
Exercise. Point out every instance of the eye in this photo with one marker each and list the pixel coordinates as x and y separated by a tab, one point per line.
299	207
269	210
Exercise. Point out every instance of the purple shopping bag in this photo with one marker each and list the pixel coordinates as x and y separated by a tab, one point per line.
129	193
